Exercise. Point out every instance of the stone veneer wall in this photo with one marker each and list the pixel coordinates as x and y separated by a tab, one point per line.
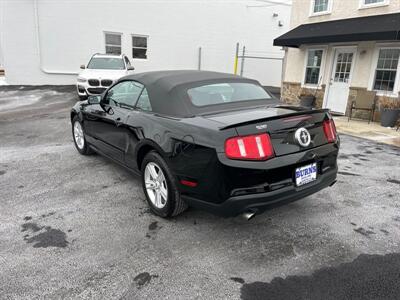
291	92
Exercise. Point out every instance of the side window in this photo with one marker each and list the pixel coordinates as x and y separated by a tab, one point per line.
124	94
113	43
321	6
313	67
386	69
373	3
144	101
139	46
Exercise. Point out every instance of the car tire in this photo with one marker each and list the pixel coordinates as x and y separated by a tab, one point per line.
173	205
78	136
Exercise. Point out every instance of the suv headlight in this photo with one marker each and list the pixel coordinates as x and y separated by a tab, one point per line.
81	79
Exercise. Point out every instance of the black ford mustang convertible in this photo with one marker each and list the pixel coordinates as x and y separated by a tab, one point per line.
208	140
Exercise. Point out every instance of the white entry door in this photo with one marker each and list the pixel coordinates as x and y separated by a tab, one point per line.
339	84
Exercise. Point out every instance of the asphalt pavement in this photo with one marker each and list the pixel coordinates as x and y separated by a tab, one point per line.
78	227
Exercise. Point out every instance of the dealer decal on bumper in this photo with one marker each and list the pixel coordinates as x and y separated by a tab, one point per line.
306	174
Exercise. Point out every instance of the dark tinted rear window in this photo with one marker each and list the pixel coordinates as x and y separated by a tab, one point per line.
221	93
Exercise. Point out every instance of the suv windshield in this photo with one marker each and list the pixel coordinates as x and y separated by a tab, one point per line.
106	63
226	93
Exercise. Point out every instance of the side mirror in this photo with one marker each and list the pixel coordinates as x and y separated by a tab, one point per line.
131	68
104	103
94	99
83	67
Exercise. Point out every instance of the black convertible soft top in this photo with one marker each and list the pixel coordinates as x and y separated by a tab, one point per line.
168	90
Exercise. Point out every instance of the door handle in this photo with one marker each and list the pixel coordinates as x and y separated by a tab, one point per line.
118	122
94	114
98	112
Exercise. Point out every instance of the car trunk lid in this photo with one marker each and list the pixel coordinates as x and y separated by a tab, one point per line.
280	122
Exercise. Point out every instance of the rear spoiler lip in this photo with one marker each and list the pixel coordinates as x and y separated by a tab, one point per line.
299	110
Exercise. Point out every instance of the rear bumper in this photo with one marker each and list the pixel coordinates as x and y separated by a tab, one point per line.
261	201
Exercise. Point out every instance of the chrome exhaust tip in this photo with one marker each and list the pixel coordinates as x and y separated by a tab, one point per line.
250	214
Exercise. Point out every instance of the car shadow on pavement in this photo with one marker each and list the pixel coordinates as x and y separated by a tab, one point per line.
367	277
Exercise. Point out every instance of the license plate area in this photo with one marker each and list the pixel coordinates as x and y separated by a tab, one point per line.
306	174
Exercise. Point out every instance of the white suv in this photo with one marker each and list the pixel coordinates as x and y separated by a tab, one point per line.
101	71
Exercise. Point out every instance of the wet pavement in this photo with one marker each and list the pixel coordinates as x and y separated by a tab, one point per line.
78	227
372	131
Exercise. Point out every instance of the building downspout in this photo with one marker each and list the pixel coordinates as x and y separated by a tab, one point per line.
2	8
283	74
38	45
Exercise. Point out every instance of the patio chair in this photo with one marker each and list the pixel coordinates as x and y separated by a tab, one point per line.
365	100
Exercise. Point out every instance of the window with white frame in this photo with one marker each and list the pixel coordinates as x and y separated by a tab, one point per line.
139	46
113	43
313	66
320	6
372	3
386	69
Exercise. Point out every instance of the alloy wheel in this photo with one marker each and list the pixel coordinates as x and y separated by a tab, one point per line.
78	135
156	185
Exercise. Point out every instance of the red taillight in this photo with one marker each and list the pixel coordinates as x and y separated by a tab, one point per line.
251	147
330	130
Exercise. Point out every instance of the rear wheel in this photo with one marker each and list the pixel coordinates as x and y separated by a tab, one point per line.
160	188
79	137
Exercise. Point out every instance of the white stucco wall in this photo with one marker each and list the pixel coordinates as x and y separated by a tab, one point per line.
295	67
71	31
340	9
363	65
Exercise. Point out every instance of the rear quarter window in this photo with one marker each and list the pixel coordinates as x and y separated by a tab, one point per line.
219	93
